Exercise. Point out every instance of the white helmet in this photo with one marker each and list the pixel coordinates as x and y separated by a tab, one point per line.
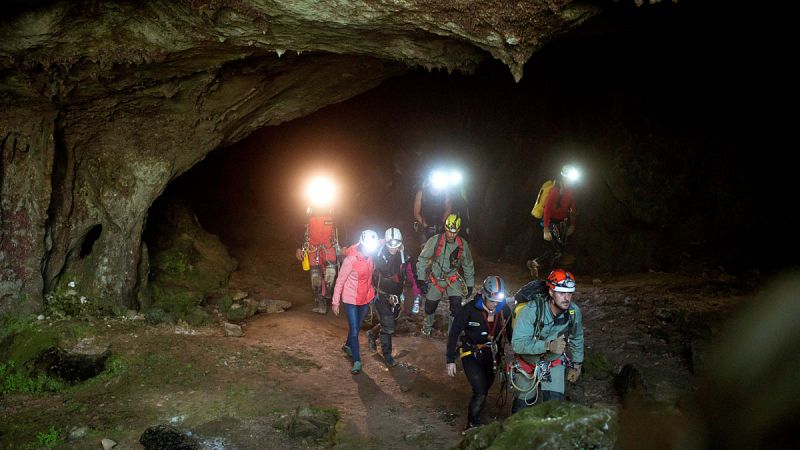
368	241
394	238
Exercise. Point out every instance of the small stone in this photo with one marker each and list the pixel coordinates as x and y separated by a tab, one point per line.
108	444
78	432
239	295
233	330
40	317
597	282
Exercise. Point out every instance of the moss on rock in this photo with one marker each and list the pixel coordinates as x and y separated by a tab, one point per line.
553	424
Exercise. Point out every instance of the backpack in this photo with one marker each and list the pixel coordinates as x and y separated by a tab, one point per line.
535	291
541	199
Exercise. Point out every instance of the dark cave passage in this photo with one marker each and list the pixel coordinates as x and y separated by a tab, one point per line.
650	102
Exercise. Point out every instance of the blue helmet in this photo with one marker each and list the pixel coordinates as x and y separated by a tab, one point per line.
494	289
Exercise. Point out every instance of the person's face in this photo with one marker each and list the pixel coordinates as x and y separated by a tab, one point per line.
561	299
449	235
393	251
491	305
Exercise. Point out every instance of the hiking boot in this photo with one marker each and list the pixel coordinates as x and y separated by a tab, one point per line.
468	426
390	362
347	351
373	346
426	333
356	368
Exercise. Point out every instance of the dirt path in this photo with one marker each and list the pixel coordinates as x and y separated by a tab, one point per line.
232	391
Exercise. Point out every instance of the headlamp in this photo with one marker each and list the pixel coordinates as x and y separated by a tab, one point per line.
321	191
439	180
571	174
455	178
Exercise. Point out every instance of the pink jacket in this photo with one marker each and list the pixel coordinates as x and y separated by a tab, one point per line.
354	283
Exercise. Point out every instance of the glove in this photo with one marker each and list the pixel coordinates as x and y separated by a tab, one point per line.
423	286
469	291
298	254
547	235
557	345
573	373
451	369
570	230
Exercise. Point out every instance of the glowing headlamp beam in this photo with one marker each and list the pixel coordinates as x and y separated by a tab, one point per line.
321	191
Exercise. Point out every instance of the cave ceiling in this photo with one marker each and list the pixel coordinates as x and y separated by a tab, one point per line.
102	104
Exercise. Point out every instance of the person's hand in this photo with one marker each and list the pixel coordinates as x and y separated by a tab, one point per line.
570	230
335	308
573	373
451	369
469	290
547	236
557	345
298	254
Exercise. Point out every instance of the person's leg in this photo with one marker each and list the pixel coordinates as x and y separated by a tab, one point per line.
382	307
476	376
327	287
316	286
360	313
386	311
351	312
552	395
554	389
526	394
431	303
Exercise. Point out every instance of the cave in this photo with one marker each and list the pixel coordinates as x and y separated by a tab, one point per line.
154	159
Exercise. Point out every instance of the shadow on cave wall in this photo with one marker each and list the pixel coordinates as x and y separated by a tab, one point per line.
640	97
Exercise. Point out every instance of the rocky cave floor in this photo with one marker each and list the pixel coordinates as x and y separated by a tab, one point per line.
232	392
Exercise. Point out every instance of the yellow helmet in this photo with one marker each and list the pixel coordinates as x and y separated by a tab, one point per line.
452	223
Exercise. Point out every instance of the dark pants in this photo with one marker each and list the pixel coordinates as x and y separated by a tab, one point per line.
546	397
455	304
552	258
388	313
355	316
479	369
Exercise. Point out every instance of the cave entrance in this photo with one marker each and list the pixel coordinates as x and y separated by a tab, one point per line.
632	97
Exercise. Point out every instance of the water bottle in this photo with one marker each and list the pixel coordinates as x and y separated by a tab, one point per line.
415	308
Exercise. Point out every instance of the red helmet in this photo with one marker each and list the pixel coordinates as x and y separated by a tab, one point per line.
560	280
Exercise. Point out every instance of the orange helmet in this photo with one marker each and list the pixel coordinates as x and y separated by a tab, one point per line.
560	280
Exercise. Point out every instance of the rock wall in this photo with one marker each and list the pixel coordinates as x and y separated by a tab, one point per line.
103	104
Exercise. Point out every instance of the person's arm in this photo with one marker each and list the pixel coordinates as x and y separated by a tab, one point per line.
468	265
300	241
459	323
550	204
424	257
523	341
576	340
341	279
418	209
411	277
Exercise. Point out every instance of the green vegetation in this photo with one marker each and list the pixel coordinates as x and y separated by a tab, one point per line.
14	380
49	439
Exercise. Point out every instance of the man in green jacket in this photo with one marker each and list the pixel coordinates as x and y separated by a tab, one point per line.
543	331
438	271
